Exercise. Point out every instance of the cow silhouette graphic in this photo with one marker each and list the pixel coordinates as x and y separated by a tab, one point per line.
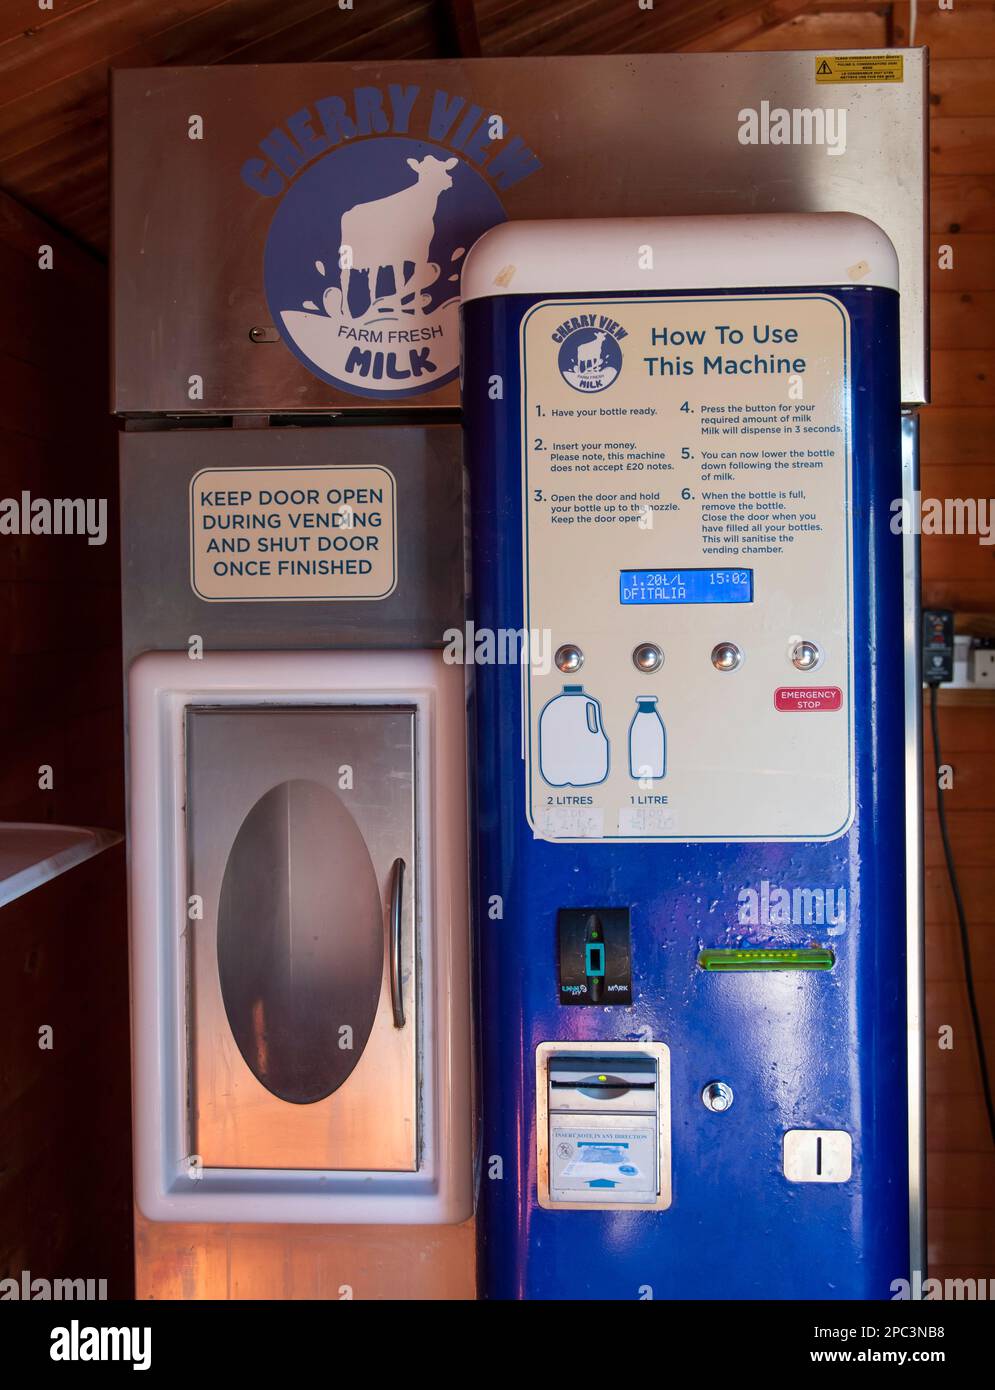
387	232
589	354
351	274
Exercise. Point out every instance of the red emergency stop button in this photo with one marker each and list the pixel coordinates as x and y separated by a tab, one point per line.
800	698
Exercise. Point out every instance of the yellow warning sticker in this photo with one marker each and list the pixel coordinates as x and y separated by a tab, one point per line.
860	67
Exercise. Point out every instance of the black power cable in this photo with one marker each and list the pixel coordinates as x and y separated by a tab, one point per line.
965	940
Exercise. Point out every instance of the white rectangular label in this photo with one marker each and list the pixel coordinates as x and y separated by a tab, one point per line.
265	535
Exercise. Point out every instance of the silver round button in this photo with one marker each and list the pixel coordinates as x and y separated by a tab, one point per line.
726	656
717	1096
568	658
647	657
805	656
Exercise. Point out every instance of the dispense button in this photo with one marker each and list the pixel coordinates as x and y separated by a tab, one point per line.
568	658
595	960
806	656
726	656
647	657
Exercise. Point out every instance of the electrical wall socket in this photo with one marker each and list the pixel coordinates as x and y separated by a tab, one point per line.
982	664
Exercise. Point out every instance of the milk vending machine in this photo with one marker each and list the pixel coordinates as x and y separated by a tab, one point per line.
685	440
683	833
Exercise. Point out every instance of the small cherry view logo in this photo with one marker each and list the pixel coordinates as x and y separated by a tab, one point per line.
589	359
363	263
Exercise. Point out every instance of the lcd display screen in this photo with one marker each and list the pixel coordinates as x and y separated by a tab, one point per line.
686	586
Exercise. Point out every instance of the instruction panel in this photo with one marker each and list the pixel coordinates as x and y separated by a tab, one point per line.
263	535
686	508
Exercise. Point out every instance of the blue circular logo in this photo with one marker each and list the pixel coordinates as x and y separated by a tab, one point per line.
589	359
363	263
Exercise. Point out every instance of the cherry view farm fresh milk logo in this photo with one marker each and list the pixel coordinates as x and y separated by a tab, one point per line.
381	195
590	355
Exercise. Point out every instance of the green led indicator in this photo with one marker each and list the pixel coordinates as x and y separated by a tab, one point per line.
725	959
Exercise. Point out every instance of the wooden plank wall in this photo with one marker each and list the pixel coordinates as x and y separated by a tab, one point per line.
958	460
65	1156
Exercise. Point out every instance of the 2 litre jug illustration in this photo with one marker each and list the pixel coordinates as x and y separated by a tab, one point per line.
647	741
573	745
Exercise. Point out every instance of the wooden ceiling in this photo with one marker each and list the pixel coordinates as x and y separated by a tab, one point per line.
55	56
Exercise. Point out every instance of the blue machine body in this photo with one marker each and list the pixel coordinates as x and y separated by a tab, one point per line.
824	1050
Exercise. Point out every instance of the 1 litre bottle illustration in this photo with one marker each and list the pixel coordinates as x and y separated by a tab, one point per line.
647	742
573	745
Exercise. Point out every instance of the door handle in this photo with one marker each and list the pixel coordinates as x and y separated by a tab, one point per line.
394	954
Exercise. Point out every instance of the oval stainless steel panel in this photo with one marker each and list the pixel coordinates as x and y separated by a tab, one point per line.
300	941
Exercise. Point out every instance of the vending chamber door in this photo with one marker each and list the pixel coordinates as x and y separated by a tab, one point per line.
299	937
